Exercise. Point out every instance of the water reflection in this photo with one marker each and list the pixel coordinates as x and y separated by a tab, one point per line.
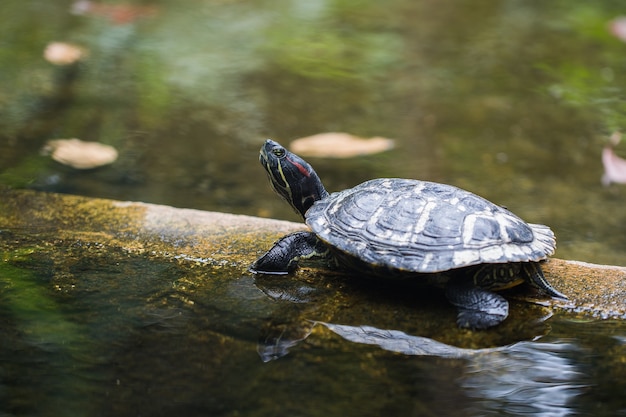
278	338
301	304
526	378
515	378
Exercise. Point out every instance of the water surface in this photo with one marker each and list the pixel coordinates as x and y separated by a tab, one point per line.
83	335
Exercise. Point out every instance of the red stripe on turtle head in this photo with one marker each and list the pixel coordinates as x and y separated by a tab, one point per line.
303	169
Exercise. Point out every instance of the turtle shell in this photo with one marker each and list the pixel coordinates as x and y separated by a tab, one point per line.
424	227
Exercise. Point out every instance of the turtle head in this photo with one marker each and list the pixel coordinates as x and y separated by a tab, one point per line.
291	177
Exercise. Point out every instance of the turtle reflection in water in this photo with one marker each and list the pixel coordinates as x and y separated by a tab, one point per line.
401	228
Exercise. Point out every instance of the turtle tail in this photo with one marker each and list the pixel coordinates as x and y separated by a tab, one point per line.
538	280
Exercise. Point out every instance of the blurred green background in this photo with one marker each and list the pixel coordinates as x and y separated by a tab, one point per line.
512	100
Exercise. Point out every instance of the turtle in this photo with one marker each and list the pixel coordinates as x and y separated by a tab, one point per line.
395	228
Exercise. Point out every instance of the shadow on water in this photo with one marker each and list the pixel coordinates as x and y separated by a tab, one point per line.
91	332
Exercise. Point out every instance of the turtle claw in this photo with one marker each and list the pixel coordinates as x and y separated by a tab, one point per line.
537	279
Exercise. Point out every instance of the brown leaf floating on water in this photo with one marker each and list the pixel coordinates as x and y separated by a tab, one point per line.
617	27
614	166
339	145
79	154
119	14
62	53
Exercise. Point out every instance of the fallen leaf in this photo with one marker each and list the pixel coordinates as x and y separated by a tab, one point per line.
79	154
617	27
339	145
614	166
61	53
615	139
118	14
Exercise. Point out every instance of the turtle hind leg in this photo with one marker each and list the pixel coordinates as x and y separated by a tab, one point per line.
537	280
283	257
477	308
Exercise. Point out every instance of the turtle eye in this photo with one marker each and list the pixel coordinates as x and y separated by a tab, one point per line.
279	152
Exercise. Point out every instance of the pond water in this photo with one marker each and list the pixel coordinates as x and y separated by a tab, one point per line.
88	331
512	100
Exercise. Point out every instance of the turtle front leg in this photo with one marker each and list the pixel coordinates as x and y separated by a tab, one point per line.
283	257
477	308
